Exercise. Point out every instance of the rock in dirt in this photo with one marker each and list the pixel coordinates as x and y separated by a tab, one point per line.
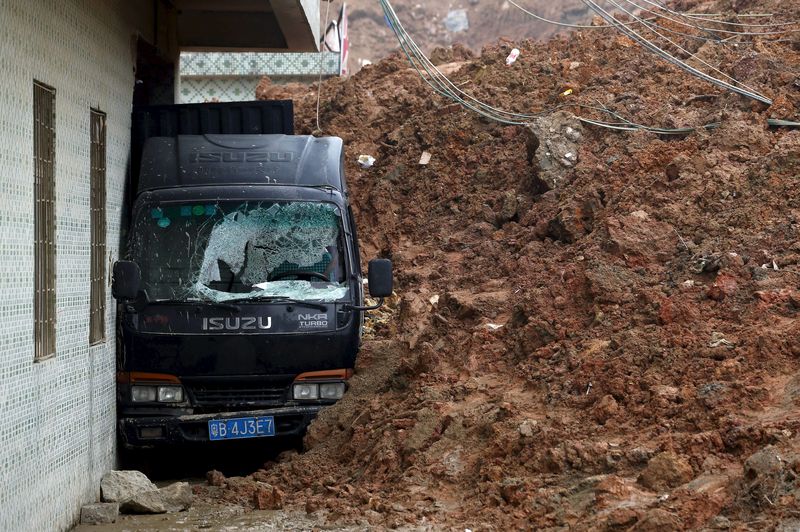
621	518
666	470
658	520
765	463
558	138
177	497
528	427
638	234
145	502
215	478
267	497
508	208
119	486
605	409
103	513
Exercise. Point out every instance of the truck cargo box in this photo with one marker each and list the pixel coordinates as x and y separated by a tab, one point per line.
234	118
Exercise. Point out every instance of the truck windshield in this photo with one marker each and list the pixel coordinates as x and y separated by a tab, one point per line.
219	251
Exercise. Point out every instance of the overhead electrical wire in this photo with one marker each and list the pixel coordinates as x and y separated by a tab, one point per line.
557	23
740	15
442	85
693	56
649	20
705	16
704	28
635	36
595	27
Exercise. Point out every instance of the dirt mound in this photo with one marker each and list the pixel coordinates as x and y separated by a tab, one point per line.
428	23
598	333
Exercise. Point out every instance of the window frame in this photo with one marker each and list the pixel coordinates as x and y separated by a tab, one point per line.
44	208
98	226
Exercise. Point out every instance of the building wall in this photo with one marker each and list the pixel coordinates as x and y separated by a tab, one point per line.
233	77
57	417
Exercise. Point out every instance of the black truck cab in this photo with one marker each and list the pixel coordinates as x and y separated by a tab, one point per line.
241	302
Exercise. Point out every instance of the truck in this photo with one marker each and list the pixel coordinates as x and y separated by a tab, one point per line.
240	296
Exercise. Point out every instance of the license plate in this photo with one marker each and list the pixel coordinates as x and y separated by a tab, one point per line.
243	427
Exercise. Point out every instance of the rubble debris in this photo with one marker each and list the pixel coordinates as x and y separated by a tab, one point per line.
601	276
102	513
133	492
366	161
512	57
177	496
664	471
215	478
719	340
559	135
765	463
144	502
120	486
267	497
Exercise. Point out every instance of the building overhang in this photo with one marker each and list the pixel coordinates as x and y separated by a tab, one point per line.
247	25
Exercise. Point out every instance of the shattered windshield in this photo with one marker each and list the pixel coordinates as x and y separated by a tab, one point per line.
222	251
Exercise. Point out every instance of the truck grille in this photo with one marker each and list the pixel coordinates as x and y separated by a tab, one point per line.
232	394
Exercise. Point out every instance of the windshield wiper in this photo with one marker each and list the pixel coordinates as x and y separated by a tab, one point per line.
279	299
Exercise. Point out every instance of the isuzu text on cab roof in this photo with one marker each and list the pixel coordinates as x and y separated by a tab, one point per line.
241	302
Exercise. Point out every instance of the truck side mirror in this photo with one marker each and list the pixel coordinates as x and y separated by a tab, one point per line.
380	278
126	280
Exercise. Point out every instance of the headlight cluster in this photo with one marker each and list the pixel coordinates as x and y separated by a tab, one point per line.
311	391
157	394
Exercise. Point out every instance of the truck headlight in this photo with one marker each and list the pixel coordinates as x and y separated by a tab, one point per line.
161	394
306	391
170	394
143	394
331	390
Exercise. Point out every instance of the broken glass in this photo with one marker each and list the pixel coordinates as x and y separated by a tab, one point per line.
234	250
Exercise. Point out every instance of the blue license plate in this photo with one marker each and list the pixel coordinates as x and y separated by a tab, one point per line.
243	427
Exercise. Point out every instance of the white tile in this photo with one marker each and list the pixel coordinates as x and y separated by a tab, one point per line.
57	428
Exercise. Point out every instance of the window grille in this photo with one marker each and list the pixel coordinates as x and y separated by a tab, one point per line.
44	306
97	308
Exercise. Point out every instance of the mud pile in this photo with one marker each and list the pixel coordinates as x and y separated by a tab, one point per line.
594	328
486	21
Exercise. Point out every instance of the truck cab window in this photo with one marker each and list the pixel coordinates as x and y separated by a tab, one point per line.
227	250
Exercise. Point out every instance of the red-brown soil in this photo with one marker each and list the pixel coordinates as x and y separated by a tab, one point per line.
489	20
600	341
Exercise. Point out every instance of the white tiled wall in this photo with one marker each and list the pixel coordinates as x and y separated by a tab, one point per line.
234	76
57	418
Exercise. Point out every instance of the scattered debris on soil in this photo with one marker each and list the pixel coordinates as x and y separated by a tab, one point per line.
596	329
439	24
131	492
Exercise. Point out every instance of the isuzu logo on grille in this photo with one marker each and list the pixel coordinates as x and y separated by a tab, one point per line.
249	323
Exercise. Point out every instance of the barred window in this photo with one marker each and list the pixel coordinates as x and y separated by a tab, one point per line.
97	308
44	301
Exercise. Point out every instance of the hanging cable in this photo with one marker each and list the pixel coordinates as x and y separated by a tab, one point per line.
438	81
715	69
704	28
443	86
705	17
632	34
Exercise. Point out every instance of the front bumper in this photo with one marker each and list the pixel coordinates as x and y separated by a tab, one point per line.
289	421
